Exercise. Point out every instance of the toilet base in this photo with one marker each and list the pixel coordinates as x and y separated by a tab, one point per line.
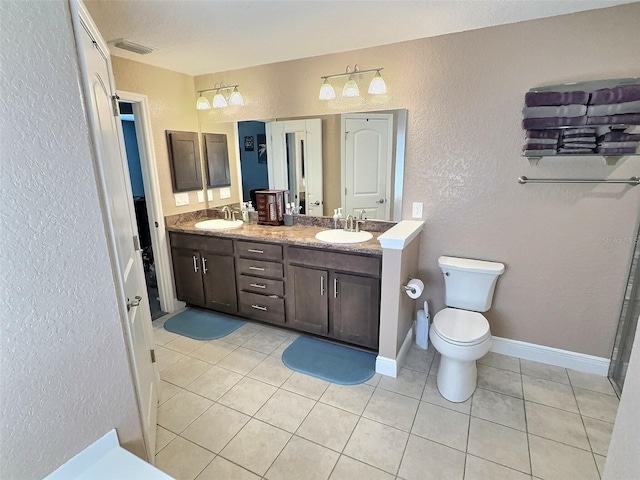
457	379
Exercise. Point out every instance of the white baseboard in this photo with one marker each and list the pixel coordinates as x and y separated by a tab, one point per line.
391	366
551	356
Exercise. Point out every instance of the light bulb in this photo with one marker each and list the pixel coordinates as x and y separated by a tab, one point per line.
377	85
351	89
219	101
236	98
202	103
326	91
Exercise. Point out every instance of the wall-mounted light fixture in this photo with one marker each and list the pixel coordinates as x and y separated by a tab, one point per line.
220	99
351	88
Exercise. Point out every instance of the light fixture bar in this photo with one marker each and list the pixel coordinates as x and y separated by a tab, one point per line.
355	72
230	87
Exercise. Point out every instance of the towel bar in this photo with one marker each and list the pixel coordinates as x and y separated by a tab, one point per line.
633	181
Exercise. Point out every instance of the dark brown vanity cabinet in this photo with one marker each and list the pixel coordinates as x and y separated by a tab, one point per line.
260	280
334	294
204	271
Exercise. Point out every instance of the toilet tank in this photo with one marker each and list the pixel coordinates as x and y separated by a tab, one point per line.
469	284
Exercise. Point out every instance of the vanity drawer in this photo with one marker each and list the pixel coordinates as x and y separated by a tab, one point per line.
205	243
343	262
264	286
260	251
262	307
259	268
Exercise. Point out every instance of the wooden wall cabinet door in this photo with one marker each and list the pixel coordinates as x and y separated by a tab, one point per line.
219	281
309	308
217	154
184	159
188	278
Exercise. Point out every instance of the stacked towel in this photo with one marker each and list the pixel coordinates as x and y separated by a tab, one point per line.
618	136
578	141
541	143
615	106
554	109
617	143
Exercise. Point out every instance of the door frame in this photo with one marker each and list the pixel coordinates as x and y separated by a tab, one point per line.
151	182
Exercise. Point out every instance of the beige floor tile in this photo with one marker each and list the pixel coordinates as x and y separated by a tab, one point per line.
352	398
256	446
303	459
499	444
377	445
555	424
434	365
425	459
214	383
167	390
163	437
499	380
242	335
590	381
442	425
392	409
166	357
215	427
283	346
548	393
265	343
182	459
285	410
499	408
214	351
599	434
374	380
184	371
544	371
248	396
162	336
505	362
221	469
272	371
597	405
242	360
432	395
419	360
600	461
305	385
350	469
408	382
480	469
179	411
328	426
554	461
185	345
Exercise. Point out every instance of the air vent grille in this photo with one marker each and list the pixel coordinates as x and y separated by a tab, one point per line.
132	47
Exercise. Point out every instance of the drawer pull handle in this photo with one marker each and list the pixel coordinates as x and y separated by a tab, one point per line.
195	264
204	265
259	307
257	285
260	269
335	288
253	250
321	286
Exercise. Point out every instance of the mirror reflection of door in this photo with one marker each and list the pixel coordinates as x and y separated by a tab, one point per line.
368	155
253	163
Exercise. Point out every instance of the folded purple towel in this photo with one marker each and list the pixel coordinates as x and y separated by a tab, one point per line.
623	119
610	109
576	150
543	141
530	123
576	131
619	144
617	151
620	137
558	111
539	153
579	145
538	146
543	133
620	94
580	135
537	99
589	139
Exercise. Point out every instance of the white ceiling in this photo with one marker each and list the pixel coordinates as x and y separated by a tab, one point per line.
206	36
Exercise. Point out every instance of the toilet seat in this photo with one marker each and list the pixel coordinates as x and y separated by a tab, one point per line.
461	327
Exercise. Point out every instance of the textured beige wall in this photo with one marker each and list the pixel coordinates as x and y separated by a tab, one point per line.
567	248
171	107
65	376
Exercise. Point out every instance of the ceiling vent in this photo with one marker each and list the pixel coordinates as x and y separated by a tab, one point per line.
131	47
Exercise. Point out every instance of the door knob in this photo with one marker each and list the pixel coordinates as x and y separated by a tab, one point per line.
382	200
135	303
316	203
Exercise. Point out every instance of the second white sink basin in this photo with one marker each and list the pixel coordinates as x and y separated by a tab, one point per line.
342	236
219	224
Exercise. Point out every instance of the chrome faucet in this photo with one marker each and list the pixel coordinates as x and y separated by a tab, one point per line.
362	214
348	224
227	212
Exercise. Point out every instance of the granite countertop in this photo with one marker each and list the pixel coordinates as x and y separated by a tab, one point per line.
300	235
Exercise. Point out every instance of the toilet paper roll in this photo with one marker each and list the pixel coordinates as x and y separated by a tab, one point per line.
415	288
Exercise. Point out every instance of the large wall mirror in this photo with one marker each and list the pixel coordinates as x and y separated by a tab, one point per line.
352	160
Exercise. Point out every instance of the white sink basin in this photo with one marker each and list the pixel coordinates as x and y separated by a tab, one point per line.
218	224
342	236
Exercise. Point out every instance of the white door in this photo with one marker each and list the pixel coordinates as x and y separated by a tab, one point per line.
367	164
121	225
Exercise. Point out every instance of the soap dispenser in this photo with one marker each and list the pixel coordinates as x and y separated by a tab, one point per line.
337	215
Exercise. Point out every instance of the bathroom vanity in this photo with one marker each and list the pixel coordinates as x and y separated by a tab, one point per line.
284	276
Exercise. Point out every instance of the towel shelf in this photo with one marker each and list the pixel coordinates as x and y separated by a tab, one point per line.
633	181
609	159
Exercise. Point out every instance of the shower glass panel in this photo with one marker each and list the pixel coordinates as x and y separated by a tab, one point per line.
628	323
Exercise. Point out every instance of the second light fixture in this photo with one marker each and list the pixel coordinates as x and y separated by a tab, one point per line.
220	100
351	88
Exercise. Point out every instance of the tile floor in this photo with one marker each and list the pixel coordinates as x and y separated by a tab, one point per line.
230	409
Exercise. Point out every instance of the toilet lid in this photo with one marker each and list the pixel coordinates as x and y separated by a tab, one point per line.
461	326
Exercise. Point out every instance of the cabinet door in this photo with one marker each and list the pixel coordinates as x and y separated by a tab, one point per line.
219	279
184	160
355	309
188	277
309	310
217	155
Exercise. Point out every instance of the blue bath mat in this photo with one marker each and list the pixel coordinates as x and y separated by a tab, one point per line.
202	324
330	362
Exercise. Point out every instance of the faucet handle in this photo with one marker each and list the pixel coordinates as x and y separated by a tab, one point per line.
358	223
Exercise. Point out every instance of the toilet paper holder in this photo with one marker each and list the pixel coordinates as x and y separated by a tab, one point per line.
409	288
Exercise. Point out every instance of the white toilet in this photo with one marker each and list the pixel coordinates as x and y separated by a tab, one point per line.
460	333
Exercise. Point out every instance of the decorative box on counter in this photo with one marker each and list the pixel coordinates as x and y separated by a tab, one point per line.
271	206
